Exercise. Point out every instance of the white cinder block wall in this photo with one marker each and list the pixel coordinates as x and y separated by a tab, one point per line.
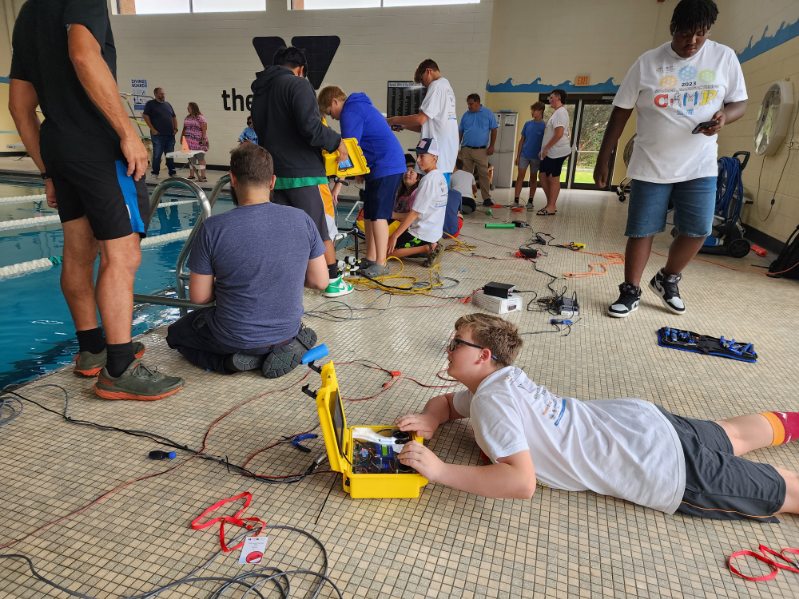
196	57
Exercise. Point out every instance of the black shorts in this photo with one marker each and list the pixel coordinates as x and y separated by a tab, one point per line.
114	203
406	240
309	200
552	166
719	484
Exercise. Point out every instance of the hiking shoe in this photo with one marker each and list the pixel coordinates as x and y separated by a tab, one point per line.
629	298
286	358
529	206
337	287
375	270
137	382
88	364
666	287
488	202
242	362
433	256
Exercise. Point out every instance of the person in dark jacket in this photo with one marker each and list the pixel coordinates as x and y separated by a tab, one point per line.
288	124
383	152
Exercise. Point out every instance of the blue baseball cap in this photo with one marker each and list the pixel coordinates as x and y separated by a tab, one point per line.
427	145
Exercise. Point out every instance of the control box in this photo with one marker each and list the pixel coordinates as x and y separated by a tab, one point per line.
497	305
368	469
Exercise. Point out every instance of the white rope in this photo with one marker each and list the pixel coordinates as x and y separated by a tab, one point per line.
23	268
22	199
24	223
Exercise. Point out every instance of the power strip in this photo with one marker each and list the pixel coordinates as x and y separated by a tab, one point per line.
497	305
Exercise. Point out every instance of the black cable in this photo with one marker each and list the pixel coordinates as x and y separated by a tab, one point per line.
275	574
10	408
160	439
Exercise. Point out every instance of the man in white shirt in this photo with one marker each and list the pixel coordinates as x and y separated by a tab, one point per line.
685	91
555	149
436	118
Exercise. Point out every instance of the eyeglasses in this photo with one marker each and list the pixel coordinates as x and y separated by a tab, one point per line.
456	341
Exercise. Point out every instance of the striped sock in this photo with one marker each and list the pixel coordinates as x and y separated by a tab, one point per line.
785	426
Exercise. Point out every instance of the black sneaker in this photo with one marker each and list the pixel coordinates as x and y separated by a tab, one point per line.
286	358
241	362
488	202
529	206
515	201
666	287
629	298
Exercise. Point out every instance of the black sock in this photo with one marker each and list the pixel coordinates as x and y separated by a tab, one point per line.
332	270
91	340
120	355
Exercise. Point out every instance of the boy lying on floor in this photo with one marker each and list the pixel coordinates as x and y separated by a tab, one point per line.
626	448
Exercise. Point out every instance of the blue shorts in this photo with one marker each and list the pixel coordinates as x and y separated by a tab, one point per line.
533	163
379	195
694	202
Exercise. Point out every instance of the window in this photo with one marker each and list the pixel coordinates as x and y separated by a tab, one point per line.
160	7
326	4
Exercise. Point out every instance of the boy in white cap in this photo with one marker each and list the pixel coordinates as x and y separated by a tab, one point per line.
423	226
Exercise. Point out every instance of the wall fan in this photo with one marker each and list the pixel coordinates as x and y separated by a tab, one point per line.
774	118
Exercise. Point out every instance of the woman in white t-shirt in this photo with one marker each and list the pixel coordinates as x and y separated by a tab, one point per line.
685	91
555	148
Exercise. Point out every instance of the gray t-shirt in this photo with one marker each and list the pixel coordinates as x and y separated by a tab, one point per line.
624	448
259	255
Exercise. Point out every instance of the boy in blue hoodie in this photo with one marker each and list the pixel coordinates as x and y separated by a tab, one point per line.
385	158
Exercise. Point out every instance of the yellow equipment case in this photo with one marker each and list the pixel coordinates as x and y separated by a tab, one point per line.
369	470
358	168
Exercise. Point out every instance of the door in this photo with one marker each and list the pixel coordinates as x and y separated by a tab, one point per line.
589	115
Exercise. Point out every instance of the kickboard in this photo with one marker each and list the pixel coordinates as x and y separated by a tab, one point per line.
704	344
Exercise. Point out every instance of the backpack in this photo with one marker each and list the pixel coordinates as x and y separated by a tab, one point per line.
787	263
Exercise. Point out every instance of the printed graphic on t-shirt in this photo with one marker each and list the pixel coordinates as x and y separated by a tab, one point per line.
554	408
685	89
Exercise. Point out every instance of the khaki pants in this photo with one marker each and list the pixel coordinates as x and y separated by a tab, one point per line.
477	157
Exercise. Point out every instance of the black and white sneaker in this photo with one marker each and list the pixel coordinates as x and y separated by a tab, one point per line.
488	202
629	298
666	287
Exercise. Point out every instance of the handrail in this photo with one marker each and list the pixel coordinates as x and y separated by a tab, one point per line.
181	277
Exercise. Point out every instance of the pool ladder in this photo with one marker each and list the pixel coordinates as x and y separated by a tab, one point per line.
182	274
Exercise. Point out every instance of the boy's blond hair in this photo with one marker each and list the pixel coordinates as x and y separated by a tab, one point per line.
327	95
495	333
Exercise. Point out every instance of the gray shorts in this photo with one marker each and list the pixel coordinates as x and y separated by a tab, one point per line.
720	485
533	163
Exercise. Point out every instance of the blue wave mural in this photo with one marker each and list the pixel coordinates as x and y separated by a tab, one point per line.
768	42
784	33
536	87
5	80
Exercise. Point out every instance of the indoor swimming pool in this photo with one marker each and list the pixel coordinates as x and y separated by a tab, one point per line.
36	330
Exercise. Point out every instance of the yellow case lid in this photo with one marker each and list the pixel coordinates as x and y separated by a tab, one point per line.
359	166
331	418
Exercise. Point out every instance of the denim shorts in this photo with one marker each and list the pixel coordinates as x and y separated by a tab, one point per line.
694	203
533	163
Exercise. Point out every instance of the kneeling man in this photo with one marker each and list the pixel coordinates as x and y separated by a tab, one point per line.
254	261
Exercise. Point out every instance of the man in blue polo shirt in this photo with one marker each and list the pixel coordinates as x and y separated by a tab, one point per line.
160	118
478	132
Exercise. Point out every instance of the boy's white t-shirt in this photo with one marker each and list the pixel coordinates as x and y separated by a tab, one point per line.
442	122
463	182
431	205
563	147
624	448
672	95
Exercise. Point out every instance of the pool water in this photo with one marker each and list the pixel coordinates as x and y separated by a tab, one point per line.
37	335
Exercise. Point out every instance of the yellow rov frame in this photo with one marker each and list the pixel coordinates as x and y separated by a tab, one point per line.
355	152
339	444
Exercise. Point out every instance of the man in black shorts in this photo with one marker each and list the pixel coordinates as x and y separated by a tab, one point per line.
92	162
287	121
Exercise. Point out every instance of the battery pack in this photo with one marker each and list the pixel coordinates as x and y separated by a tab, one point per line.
497	305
